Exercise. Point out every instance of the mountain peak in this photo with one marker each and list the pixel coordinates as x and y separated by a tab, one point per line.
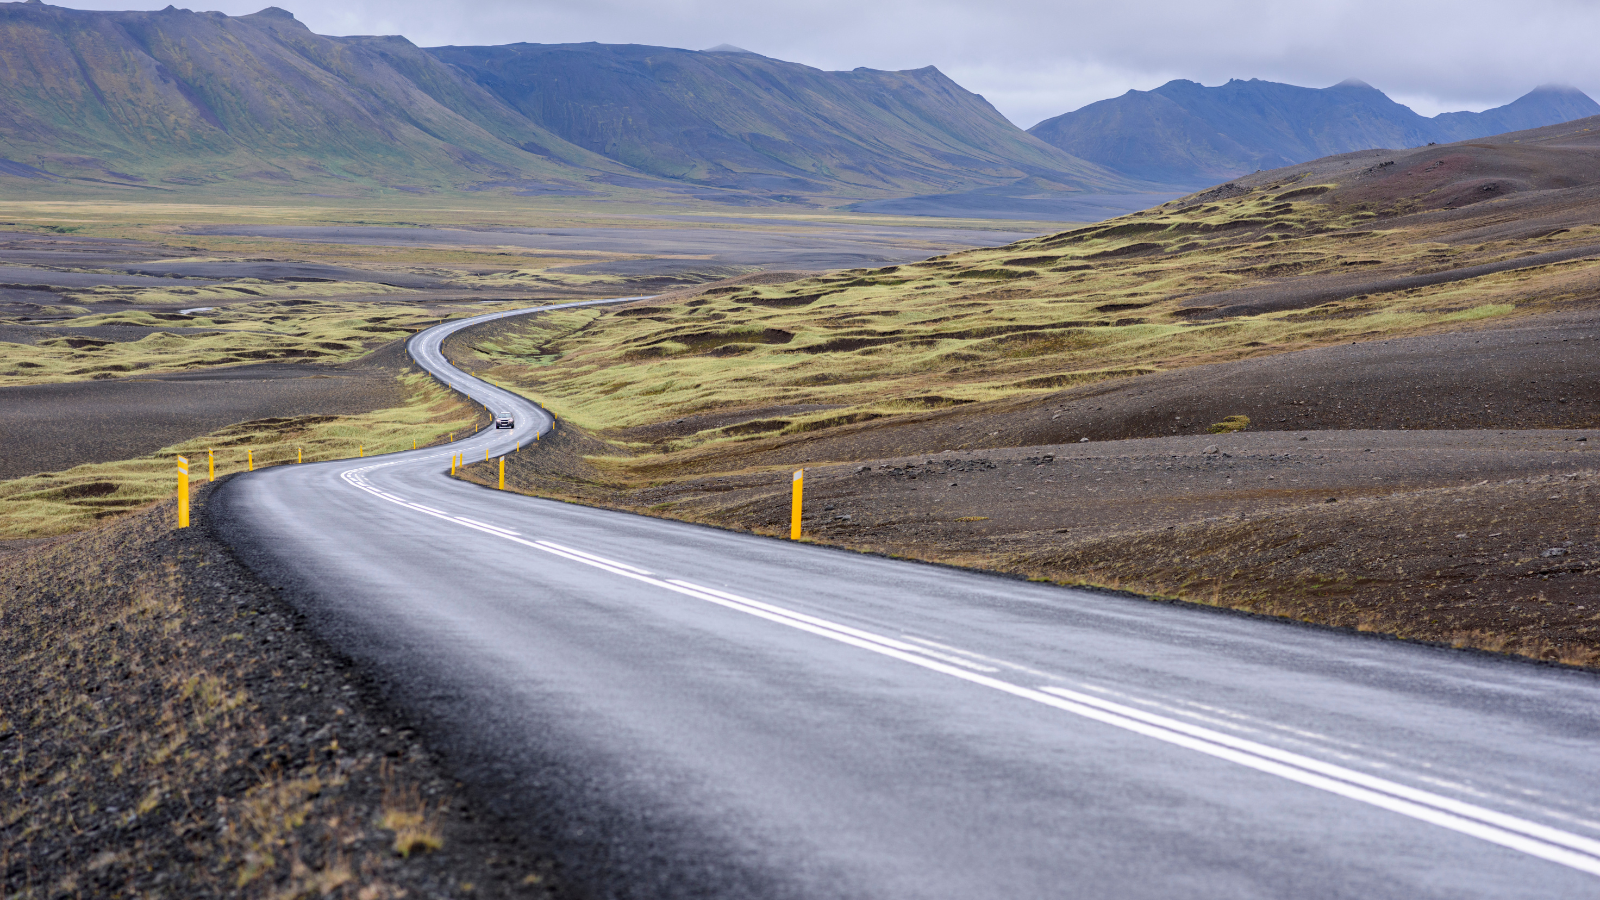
1201	135
728	48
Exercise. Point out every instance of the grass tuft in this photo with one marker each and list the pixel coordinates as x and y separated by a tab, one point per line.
414	822
1230	425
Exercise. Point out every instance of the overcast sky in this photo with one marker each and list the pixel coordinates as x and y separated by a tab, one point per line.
1037	58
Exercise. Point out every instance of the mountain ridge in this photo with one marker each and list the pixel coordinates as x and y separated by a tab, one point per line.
175	99
1186	133
735	117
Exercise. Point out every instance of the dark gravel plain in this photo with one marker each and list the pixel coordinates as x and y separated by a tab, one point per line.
788	245
288	270
33	248
33	334
26	276
52	427
34	265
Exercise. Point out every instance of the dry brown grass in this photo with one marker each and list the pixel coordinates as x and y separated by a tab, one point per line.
414	821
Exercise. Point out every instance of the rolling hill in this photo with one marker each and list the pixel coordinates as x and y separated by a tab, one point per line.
1188	134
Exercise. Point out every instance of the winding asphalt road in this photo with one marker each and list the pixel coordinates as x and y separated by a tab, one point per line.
676	711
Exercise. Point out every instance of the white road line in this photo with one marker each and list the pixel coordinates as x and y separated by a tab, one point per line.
1513	823
1370	756
485	525
1525	836
593	558
990	659
1515	833
843	629
1532	838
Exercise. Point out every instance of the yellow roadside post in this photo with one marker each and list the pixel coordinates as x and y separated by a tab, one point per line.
452	437
299	454
211	465
183	492
794	504
413	443
502	473
361	450
486	454
250	460
452	464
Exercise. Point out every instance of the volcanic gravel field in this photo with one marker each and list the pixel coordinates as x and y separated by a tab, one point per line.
52	427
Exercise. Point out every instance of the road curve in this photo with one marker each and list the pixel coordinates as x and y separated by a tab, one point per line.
676	711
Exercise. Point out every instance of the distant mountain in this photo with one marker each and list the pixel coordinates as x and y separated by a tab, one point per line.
1187	134
733	118
1551	104
182	98
171	99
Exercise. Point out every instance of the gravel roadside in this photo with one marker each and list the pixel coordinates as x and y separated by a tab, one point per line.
168	728
1483	539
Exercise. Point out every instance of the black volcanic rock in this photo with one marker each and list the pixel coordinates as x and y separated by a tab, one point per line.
1188	134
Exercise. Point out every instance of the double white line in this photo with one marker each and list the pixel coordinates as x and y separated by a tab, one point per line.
1542	841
